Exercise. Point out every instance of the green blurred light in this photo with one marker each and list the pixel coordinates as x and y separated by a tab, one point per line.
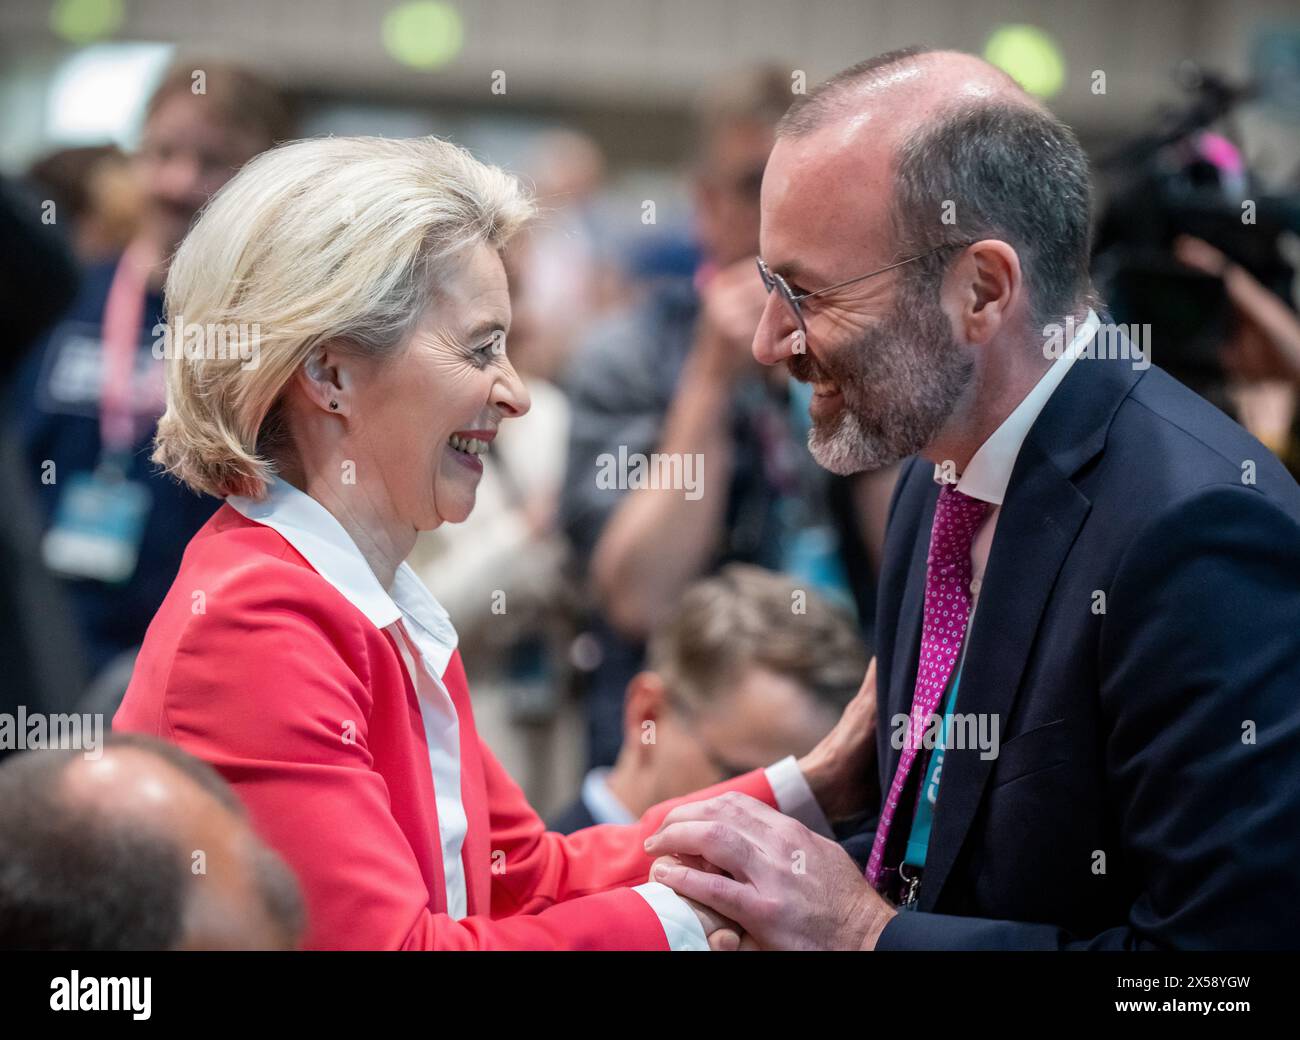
1029	56
82	21
423	33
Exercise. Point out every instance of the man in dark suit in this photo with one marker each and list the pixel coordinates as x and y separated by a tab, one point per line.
1088	732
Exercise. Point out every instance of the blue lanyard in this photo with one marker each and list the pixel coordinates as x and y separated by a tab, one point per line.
918	838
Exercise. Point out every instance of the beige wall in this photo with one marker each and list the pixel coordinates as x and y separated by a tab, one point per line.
598	53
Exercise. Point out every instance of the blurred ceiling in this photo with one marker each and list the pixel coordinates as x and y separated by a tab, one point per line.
600	54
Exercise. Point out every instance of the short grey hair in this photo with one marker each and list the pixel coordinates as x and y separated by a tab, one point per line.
1011	170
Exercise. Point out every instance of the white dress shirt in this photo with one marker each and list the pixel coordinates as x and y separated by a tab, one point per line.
426	639
600	801
988	473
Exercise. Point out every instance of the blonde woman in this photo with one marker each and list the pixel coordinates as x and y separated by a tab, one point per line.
296	651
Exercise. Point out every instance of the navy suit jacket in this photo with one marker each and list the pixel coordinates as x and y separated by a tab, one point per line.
1147	789
573	817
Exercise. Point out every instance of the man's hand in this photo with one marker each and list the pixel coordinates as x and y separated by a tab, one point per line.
723	934
788	888
839	769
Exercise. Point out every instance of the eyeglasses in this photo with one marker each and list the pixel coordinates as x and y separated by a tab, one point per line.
772	280
721	765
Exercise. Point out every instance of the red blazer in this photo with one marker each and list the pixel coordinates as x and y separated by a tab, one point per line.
259	666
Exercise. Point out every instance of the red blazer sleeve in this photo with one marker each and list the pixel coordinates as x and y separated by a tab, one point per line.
535	868
271	688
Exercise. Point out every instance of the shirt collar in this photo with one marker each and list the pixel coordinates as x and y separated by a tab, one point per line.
601	802
324	543
989	471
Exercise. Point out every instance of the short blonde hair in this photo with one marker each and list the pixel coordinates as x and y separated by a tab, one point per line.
341	238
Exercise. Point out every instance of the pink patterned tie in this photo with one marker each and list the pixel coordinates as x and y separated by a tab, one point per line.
947	611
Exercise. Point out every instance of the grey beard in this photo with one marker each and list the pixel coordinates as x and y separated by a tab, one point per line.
913	359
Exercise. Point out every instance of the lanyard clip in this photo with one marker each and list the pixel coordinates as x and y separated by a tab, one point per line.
911	888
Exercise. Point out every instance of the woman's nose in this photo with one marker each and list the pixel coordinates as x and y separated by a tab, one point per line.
777	332
510	394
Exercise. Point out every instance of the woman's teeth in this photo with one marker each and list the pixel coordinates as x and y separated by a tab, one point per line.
469	445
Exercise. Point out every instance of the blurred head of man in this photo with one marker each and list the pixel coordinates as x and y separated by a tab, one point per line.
751	668
940	160
205	120
144	848
735	125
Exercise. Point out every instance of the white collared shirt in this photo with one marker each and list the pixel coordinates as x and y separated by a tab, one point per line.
426	640
988	473
600	801
419	626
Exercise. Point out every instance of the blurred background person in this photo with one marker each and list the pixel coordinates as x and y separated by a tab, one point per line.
674	375
86	399
142	848
40	654
1261	355
750	668
566	278
97	195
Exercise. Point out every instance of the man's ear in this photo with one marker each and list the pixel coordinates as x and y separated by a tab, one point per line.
643	702
987	287
323	379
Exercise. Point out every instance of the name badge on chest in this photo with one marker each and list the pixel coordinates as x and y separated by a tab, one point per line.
98	526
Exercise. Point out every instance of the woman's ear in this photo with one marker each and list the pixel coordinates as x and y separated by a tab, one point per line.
323	381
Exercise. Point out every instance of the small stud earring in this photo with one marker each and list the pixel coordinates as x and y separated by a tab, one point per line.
334	406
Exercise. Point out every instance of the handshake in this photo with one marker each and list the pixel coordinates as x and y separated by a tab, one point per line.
760	880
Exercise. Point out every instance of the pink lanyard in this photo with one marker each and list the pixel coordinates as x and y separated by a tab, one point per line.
123	319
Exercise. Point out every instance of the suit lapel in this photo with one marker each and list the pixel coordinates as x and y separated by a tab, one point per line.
1040	519
907	650
1037	525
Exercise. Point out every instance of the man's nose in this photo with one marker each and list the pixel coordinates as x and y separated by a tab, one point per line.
777	334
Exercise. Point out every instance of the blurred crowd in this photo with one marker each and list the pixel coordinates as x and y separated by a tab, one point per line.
585	612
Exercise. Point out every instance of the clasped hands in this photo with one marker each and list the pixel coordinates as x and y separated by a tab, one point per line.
759	879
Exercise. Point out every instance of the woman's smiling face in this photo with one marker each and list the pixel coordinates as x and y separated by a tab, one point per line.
425	416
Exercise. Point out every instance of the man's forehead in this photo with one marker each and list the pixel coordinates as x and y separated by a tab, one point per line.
823	193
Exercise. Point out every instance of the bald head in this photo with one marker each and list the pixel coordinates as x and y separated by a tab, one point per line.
930	219
900	90
917	150
145	847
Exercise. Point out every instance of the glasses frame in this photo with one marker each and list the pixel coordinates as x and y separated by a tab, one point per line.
772	280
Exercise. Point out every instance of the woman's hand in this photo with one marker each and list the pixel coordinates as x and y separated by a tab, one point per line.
839	769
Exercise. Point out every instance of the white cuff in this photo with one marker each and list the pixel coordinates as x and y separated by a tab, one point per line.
679	922
795	798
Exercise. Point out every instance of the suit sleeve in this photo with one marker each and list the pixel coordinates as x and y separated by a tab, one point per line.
1200	691
541	868
274	693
